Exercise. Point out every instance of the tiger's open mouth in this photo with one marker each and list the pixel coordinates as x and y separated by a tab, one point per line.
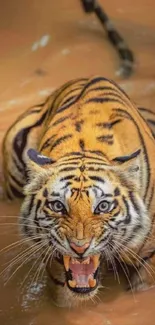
82	274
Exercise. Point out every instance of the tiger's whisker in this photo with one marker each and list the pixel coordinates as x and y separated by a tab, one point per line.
35	262
24	262
36	275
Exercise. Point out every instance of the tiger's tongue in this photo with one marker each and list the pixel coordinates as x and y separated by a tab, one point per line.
81	268
82	273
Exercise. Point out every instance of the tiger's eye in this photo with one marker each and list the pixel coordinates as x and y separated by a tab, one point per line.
57	206
103	207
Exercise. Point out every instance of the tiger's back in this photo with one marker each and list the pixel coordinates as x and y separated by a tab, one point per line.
83	115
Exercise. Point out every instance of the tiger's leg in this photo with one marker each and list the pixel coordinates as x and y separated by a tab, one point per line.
115	38
23	134
143	277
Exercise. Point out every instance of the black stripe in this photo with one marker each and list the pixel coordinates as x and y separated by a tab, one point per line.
115	38
116	214
68	169
60	140
31	204
66	178
70	159
77	179
108	125
133	200
72	163
126	54
97	163
82	144
128	217
15	192
45	192
78	125
122	113
95	169
47	143
103	100
36	215
63	108
122	159
55	194
36	110
16	181
77	190
20	169
96	152
151	121
61	119
115	203
98	187
68	100
97	178
117	191
151	196
106	138
146	110
92	82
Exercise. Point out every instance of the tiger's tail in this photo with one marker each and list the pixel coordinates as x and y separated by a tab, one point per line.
125	54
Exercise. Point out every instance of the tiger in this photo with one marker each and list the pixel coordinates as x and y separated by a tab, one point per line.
126	55
83	163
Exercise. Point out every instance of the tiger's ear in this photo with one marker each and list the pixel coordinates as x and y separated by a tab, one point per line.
128	166
37	163
39	159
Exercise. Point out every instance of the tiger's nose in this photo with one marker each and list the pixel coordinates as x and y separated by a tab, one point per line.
78	248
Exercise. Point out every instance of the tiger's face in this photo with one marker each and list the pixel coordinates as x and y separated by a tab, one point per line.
85	215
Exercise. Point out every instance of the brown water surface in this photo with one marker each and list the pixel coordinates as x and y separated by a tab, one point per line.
43	44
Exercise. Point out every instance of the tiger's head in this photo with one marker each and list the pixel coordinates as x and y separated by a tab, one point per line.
84	209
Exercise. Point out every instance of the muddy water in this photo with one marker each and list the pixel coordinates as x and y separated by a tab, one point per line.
43	44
